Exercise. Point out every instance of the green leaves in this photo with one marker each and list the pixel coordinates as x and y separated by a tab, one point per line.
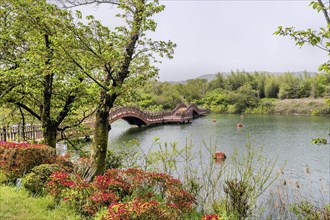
320	141
319	39
41	77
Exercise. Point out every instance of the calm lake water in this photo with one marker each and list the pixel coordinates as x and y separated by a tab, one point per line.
286	137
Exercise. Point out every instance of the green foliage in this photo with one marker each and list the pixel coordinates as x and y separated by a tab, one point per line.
301	106
165	158
35	181
18	204
219	207
251	174
231	101
320	141
238	198
238	92
38	76
319	39
251	171
327	101
3	177
266	106
113	160
128	154
307	210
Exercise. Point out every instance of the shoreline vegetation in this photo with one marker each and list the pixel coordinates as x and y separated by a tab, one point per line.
63	70
243	92
150	185
302	106
235	93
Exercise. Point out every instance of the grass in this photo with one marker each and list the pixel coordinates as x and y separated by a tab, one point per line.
18	204
305	106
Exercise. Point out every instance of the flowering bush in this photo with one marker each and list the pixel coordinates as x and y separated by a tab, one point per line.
59	183
64	162
211	217
137	187
151	186
17	159
35	182
138	209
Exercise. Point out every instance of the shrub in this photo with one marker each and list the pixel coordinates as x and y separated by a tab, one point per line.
151	185
113	161
35	182
116	186
17	159
64	163
238	196
211	217
3	177
139	209
83	168
307	210
59	182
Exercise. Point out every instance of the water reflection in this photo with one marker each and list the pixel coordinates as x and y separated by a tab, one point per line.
219	161
287	138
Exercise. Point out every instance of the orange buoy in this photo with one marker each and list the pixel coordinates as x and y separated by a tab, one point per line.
239	125
219	155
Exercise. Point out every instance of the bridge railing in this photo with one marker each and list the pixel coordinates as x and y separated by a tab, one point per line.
187	115
145	115
151	117
200	111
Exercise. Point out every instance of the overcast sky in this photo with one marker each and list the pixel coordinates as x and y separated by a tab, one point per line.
220	36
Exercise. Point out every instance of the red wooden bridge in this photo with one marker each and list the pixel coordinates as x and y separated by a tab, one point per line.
134	116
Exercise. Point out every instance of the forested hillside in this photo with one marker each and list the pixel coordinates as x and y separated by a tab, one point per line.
239	92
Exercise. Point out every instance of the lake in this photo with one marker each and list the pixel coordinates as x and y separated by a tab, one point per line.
286	137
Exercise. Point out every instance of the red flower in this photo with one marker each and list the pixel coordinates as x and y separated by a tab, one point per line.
211	217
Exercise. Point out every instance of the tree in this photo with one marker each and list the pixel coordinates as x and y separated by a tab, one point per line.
36	75
117	61
320	39
216	83
193	90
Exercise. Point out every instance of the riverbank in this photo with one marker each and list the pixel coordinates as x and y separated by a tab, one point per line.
303	106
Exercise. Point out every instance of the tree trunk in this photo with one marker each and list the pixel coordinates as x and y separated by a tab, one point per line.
99	148
23	124
49	133
101	132
49	128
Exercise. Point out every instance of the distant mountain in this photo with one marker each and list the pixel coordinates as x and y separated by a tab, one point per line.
210	77
177	82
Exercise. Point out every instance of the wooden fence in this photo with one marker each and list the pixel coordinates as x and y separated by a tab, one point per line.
19	132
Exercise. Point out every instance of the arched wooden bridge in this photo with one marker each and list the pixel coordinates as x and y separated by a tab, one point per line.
134	116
